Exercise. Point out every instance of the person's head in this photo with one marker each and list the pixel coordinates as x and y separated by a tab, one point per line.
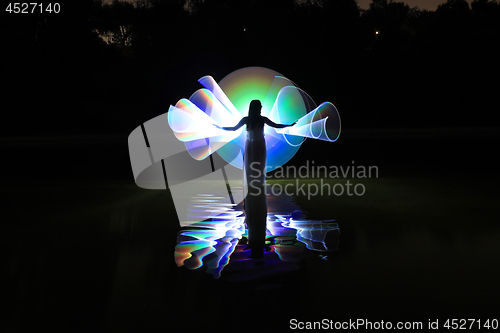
255	107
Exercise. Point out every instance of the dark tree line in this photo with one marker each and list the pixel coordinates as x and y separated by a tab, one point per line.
105	68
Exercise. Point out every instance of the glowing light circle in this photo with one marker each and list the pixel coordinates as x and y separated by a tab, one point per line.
197	121
246	84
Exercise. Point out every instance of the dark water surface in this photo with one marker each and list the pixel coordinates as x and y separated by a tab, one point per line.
87	250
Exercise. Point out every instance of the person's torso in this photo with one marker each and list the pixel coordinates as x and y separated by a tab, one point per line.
255	129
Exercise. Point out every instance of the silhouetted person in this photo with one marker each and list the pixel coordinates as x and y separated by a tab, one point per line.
254	165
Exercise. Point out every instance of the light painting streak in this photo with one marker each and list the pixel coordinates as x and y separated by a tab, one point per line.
211	243
226	102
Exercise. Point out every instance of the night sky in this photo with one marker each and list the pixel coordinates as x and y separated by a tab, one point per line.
423	69
422	4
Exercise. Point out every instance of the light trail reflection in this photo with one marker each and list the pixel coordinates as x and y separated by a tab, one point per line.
212	242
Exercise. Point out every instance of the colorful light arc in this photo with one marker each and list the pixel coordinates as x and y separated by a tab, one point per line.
226	102
212	242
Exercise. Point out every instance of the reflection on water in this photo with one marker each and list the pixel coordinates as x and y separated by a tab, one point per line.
212	242
216	237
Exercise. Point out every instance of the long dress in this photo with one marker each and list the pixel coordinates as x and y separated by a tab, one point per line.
255	156
254	166
255	201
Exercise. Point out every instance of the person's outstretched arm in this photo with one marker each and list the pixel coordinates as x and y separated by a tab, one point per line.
242	122
273	124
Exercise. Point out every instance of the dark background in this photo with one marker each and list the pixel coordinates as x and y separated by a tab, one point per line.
424	68
88	250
